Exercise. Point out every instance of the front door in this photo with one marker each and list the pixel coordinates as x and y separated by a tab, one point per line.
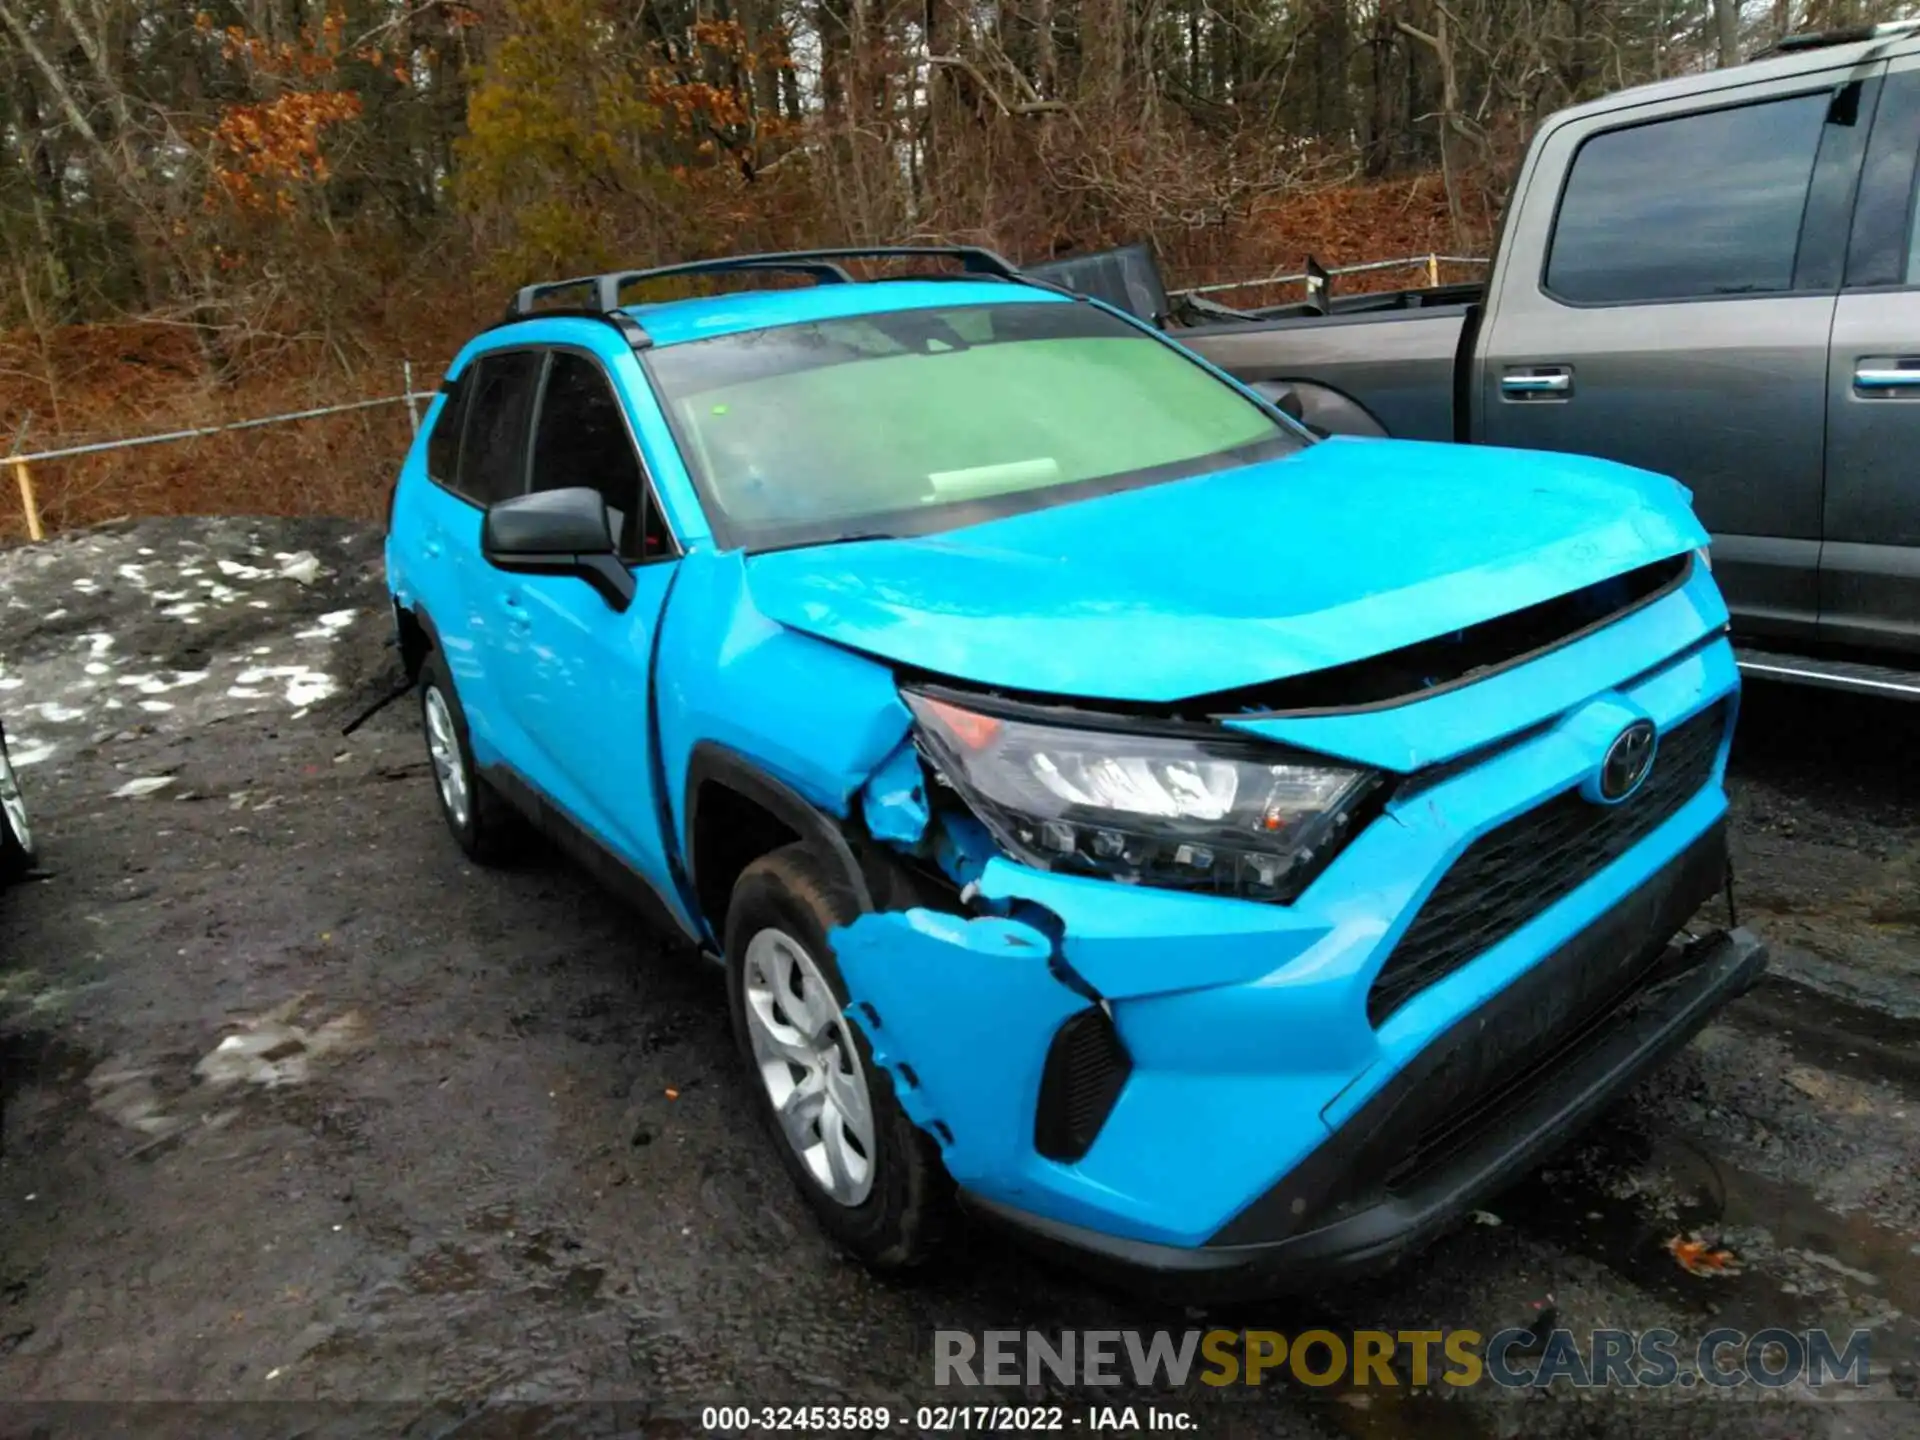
574	673
1870	565
1680	292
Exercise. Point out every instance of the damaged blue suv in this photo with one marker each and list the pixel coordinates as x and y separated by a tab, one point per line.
1221	855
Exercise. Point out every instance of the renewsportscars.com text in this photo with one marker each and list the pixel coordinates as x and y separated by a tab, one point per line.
1514	1358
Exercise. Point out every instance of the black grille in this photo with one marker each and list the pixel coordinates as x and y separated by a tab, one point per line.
1086	1066
1511	874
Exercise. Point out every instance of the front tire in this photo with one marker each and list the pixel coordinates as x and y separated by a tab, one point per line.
488	829
873	1178
17	854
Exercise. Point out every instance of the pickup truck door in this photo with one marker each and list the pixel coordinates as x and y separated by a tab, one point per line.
1669	305
1870	564
575	675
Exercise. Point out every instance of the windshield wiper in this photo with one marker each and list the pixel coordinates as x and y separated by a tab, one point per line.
847	539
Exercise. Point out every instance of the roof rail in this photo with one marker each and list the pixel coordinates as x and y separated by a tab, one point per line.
822	265
1847	35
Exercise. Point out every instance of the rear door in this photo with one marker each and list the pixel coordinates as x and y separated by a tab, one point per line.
1870	564
1668	306
484	461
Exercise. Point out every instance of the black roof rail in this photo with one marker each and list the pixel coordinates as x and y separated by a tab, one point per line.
1846	35
822	265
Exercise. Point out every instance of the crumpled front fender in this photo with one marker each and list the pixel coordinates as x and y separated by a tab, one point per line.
960	1013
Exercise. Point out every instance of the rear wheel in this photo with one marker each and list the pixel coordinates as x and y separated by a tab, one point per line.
16	834
485	825
874	1178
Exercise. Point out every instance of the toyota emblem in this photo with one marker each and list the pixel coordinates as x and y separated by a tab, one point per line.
1628	761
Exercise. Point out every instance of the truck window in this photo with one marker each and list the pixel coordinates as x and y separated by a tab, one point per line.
1695	206
1882	250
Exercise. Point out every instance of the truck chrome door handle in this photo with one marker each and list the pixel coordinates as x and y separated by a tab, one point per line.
1537	382
1887	375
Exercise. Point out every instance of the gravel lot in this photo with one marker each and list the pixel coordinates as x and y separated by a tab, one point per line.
479	1139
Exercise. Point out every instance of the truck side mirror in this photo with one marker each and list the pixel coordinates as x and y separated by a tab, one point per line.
557	532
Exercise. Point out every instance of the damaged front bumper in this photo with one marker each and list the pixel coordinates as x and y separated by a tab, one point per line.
1396	1178
1207	1090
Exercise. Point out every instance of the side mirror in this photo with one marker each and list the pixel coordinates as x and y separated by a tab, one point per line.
558	532
1286	400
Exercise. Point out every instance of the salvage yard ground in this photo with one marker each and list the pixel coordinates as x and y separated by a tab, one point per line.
300	1106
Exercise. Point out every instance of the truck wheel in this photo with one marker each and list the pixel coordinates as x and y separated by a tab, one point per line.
16	835
487	828
872	1176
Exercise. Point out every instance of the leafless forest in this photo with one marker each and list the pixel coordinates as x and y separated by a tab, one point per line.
260	204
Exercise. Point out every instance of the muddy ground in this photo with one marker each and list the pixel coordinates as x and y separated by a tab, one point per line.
473	1138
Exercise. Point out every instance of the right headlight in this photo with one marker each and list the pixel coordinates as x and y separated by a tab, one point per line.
1205	813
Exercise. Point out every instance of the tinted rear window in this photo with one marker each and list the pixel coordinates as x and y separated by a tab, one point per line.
1695	206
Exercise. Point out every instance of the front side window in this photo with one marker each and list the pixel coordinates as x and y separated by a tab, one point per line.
1695	206
913	421
493	462
582	439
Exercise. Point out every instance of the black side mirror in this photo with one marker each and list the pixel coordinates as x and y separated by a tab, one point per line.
1286	400
558	532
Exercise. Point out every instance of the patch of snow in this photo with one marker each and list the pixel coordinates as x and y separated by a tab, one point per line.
304	686
302	566
330	624
146	785
60	614
60	714
24	751
238	571
155	685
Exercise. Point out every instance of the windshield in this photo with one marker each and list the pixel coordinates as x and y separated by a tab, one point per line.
914	421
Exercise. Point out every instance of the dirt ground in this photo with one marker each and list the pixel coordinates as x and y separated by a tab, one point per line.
301	1108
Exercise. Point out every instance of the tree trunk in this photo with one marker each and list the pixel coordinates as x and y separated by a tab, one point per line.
1726	23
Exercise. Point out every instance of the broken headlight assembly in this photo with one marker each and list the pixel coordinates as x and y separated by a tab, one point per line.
1186	812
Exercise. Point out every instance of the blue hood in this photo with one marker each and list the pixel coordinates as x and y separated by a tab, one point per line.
1342	551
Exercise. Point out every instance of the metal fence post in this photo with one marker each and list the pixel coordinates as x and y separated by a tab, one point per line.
413	407
27	501
1433	275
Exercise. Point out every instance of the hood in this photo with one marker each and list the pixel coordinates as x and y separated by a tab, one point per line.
1341	551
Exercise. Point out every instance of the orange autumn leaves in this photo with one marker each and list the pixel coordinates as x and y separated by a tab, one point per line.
266	151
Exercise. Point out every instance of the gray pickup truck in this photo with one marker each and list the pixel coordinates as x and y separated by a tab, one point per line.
1716	277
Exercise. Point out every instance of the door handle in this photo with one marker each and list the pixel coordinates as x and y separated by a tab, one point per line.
515	612
432	547
1887	375
1537	382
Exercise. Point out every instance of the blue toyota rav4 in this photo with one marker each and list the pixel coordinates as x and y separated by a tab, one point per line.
1219	854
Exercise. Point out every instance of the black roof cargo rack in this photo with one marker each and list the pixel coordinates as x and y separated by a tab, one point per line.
1848	35
822	265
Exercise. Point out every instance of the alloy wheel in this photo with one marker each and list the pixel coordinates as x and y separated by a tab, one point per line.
449	765
13	805
809	1066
